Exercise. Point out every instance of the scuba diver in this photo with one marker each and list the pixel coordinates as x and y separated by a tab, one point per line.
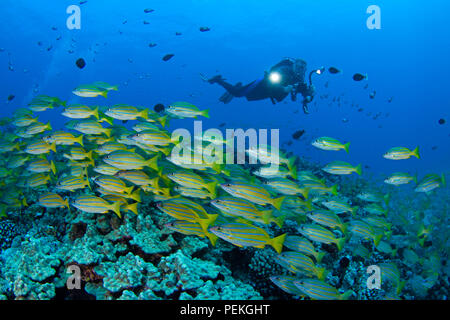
284	78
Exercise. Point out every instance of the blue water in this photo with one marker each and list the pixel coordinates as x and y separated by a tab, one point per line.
407	60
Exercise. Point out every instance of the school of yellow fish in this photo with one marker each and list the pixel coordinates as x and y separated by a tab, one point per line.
98	165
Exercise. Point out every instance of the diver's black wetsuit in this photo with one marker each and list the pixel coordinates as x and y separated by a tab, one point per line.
291	80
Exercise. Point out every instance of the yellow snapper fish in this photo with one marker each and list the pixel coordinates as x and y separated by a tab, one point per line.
53	200
245	235
341	167
327	143
252	193
430	182
191	228
41	166
79	111
295	261
303	245
91	127
399	178
320	234
40	147
245	209
37	127
125	112
320	290
127	160
186	110
63	138
90	91
401	153
93	204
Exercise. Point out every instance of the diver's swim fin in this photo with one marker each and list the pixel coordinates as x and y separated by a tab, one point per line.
226	97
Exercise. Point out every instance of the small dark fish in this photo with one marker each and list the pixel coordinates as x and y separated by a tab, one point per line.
125	21
80	63
167	57
441	121
54	28
11	97
83	2
333	70
297	134
148	10
152	44
146	22
360	110
359	77
434	147
39	43
372	94
204	29
178	33
159	107
49	48
390	99
222	125
58	38
344	120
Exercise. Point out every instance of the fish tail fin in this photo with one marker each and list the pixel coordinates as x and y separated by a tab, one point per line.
277	202
293	172
347	294
53	147
205	223
107	132
153	163
443	180
49	126
89	155
212	237
52	167
354	210
211	187
344	228
144	114
106	119
340	243
308	204
24	202
66	204
279	220
400	287
358	169
129	190
319	256
133	208
205	113
136	196
79	139
217	167
116	208
415	152
104	94
163	120
115	88
377	238
266	216
321	273
305	192
346	146
333	190
291	162
277	242
95	113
